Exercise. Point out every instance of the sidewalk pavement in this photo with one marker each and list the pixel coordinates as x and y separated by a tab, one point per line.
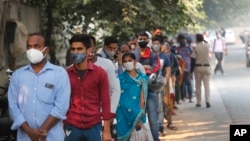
200	123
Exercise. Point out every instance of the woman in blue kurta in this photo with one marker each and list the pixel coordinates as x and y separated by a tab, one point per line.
130	112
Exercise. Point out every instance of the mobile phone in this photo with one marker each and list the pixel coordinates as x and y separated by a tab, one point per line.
116	52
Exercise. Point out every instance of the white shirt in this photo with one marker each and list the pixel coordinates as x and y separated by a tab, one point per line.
101	52
114	83
218	45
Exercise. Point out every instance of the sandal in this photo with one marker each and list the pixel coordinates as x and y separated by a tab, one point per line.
173	112
171	127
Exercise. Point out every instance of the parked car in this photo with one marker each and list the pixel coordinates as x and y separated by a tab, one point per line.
230	36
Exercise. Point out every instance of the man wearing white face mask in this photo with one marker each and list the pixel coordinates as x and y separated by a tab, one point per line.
114	84
165	71
38	95
219	49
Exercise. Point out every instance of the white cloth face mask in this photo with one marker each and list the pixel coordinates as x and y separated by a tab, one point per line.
129	66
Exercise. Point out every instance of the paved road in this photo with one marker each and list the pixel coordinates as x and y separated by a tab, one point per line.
230	101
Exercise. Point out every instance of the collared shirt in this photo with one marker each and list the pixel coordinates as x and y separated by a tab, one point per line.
114	83
101	53
90	97
201	53
33	97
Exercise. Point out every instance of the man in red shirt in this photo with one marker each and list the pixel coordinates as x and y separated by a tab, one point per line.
90	100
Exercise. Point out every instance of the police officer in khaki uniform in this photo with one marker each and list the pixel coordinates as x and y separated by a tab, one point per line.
201	68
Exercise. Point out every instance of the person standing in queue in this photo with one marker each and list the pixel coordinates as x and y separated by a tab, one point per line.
151	64
114	84
38	95
90	96
130	113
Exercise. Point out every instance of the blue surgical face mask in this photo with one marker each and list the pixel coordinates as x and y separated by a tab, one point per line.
78	57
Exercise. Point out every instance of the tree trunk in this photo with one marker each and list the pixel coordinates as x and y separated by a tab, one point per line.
49	31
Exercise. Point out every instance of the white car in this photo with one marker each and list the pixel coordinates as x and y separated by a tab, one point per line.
230	37
211	36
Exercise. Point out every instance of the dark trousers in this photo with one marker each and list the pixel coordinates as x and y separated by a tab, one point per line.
76	134
177	92
186	86
219	58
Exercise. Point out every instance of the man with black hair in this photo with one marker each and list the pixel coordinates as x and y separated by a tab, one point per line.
201	67
157	31
114	83
39	95
109	49
151	64
165	71
90	95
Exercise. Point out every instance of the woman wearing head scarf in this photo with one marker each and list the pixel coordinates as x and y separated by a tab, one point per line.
130	113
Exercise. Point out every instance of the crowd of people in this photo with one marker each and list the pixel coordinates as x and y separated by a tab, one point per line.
105	94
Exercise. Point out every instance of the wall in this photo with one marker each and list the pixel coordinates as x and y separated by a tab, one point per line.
29	16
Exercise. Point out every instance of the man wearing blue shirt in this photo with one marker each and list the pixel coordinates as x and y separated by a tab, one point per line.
38	95
164	95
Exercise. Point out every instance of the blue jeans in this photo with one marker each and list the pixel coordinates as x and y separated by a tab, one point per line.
186	86
152	108
160	108
77	134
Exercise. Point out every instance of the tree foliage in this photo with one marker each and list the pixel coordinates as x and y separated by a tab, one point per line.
121	18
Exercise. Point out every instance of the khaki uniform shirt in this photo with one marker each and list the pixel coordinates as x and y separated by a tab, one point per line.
201	53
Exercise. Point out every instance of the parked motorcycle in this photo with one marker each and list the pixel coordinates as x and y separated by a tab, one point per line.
6	134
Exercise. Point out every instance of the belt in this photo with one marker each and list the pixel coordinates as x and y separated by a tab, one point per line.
200	65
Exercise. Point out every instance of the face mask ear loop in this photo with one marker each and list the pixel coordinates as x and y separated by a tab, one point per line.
43	51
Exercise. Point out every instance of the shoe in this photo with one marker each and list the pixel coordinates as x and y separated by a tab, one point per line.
198	105
173	112
176	108
171	127
161	131
208	105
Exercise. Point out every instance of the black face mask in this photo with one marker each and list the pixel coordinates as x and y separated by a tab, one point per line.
143	44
